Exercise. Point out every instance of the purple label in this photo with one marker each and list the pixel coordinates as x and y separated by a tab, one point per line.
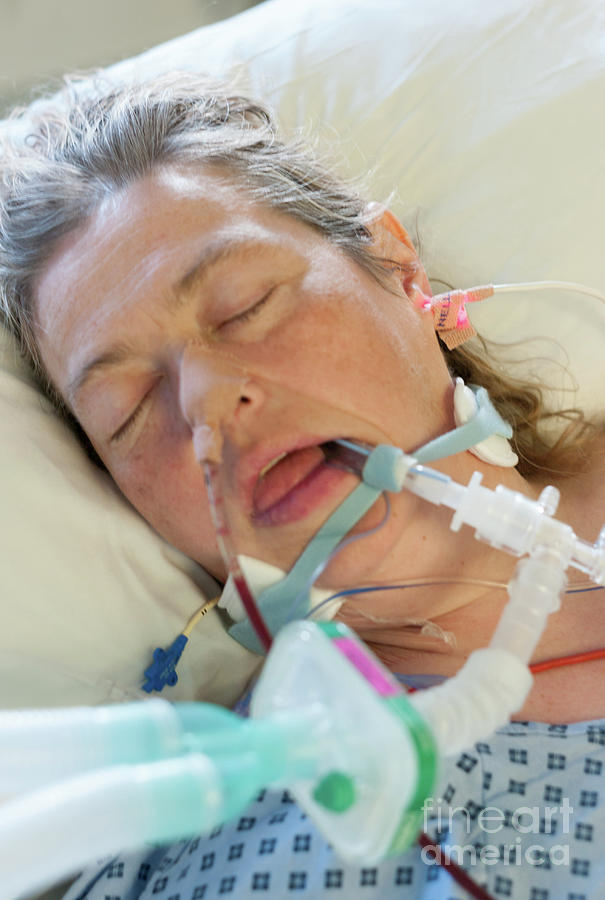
380	681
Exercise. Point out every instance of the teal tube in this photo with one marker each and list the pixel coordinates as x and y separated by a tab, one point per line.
253	753
40	746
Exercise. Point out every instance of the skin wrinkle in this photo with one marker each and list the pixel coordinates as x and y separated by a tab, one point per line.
141	273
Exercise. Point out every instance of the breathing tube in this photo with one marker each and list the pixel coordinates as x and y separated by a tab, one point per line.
85	783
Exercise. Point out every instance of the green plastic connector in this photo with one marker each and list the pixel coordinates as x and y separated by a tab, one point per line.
336	792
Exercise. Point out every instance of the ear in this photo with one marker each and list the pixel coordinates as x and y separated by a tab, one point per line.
391	241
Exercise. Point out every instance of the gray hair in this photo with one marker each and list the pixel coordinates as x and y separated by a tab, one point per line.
94	139
63	156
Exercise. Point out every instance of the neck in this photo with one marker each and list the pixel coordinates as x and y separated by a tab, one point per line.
432	628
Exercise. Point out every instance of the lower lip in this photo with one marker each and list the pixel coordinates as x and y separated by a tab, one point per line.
315	489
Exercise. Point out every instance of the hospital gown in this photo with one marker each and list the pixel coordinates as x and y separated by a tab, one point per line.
523	812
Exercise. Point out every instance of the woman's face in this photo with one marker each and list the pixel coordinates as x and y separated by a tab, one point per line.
183	320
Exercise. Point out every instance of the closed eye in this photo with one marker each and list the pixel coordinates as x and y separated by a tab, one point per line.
241	317
126	426
251	311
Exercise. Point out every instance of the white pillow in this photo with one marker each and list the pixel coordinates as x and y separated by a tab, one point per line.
486	121
89	589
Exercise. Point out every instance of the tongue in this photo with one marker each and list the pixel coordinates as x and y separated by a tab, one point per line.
285	475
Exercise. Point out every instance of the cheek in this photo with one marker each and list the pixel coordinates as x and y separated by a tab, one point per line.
359	344
371	355
167	488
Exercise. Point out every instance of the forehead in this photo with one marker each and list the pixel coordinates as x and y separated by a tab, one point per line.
134	247
132	233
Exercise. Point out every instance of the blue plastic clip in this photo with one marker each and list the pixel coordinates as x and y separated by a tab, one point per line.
162	670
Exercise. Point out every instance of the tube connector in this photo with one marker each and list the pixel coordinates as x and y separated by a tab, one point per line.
535	592
386	468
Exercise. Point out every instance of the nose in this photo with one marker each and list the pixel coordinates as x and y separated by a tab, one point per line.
217	397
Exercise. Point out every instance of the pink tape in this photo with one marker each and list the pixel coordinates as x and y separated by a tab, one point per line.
450	317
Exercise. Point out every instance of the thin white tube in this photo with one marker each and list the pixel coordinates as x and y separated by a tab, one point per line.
548	286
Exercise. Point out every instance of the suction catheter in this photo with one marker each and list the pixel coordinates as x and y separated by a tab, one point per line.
328	721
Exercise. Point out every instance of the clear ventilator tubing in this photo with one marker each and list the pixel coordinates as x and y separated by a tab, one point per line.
53	832
224	761
40	746
480	698
495	681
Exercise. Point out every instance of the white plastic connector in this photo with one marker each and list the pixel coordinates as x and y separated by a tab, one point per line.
599	566
549	499
434	486
535	592
508	520
503	518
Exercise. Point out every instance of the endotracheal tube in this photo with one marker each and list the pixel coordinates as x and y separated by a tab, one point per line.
110	779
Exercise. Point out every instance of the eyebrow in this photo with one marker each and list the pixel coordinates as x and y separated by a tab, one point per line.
112	357
215	253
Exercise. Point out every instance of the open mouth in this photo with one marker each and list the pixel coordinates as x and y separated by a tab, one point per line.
294	483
